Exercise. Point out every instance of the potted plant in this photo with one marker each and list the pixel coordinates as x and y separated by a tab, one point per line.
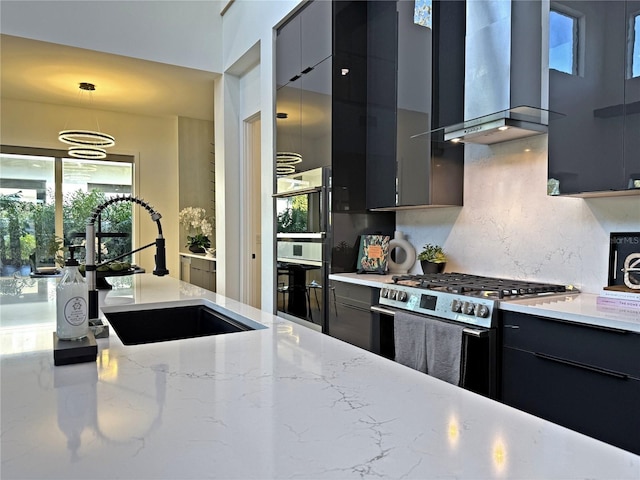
432	259
198	228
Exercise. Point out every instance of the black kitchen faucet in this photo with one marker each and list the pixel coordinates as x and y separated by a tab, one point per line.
91	267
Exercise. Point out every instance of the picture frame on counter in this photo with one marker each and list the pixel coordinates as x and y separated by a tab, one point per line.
373	254
624	261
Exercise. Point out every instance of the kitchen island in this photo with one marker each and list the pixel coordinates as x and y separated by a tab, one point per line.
278	402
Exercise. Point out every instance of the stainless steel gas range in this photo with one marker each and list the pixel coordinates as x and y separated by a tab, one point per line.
471	303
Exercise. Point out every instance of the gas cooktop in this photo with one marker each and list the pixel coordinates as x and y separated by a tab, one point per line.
460	297
479	286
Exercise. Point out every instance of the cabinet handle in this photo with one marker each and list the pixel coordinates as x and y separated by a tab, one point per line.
307	70
294	78
603	371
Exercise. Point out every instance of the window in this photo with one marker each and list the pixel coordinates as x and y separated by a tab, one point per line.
635	46
44	199
563	42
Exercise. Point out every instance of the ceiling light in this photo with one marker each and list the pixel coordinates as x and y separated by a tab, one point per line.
87	144
89	153
285	162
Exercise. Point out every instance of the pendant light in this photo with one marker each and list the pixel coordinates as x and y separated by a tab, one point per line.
285	161
87	144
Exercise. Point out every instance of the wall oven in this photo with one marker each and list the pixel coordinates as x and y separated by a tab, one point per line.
302	212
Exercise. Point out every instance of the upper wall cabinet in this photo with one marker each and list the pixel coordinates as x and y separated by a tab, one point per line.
594	80
304	76
406	98
303	42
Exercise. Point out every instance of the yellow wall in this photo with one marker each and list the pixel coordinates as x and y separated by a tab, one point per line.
153	141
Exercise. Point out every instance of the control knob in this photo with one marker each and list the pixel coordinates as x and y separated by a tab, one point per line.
384	293
482	311
456	306
402	296
468	308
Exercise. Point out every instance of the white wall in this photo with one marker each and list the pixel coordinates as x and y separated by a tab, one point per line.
187	33
248	39
152	140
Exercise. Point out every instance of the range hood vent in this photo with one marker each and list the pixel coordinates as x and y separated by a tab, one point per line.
503	126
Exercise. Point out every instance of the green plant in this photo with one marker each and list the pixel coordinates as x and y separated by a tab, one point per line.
293	218
432	253
116	218
198	225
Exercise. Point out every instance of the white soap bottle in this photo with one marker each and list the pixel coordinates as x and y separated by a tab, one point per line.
71	302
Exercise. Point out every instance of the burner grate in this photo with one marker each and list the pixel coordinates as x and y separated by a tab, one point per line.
476	285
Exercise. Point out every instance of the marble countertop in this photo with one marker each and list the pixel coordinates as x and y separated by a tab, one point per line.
280	402
579	308
204	256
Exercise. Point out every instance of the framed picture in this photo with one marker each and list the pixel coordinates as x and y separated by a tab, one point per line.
624	260
373	254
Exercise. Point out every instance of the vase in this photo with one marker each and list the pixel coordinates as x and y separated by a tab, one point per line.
432	267
405	254
196	249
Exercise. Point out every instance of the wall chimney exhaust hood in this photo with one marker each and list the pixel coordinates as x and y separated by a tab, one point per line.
503	126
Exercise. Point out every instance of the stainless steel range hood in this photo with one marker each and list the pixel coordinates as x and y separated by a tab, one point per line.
510	124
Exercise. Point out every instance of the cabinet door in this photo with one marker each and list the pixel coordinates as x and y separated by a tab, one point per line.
350	317
600	405
586	147
303	42
315	113
632	98
582	377
316	44
288	52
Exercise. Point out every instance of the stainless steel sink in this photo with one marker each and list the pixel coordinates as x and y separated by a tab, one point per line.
134	327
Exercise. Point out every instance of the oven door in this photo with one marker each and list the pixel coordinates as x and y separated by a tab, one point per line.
478	371
302	204
302	273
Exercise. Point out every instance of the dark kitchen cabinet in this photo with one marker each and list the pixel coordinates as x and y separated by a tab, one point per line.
303	79
583	377
326	110
415	83
350	317
595	147
303	42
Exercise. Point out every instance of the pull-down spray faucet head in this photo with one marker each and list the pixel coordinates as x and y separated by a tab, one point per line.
160	257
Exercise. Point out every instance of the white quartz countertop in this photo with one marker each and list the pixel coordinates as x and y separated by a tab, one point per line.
199	255
579	308
280	402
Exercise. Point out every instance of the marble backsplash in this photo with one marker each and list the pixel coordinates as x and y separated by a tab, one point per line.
509	227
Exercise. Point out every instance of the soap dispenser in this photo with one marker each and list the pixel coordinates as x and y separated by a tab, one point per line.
71	302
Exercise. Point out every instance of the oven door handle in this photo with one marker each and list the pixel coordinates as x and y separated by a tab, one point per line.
382	311
467	331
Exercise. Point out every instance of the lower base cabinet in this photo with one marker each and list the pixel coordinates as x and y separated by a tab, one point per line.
198	271
350	317
582	377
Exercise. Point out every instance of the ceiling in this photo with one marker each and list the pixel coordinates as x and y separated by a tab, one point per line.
50	73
